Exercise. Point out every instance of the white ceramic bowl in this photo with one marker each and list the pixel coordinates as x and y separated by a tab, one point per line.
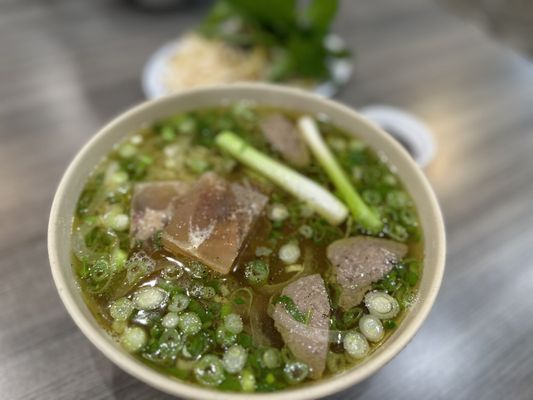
262	94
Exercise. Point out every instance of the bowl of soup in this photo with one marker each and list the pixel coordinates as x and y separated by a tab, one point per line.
246	241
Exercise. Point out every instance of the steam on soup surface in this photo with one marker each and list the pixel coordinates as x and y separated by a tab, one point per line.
230	248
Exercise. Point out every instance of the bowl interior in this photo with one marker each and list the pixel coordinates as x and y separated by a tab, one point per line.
267	95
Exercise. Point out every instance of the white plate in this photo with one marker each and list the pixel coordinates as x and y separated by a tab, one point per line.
157	67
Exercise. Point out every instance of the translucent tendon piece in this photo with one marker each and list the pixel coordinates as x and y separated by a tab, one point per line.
150	206
212	221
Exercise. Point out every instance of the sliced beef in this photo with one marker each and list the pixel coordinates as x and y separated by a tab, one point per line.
285	138
150	206
212	221
359	261
308	343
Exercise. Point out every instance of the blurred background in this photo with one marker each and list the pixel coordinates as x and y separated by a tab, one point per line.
463	67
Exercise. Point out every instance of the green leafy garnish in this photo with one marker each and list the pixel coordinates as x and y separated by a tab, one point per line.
239	301
291	307
292	35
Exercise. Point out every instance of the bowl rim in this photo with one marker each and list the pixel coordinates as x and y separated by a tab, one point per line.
178	388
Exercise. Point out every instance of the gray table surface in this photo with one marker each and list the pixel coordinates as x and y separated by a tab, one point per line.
68	66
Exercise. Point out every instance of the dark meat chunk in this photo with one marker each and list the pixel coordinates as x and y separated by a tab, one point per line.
360	261
285	138
212	221
308	343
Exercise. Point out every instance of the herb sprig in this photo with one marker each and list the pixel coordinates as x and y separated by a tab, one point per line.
291	307
294	36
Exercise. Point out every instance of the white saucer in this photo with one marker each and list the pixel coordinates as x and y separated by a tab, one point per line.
409	130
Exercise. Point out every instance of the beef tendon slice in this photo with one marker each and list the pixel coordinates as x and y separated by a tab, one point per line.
212	221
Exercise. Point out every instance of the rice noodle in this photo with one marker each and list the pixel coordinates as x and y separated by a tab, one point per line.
201	61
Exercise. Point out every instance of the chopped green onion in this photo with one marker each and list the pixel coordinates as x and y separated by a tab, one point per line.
295	372
382	305
224	337
234	359
197	270
408	217
138	266
247	381
372	197
98	275
397	232
293	310
119	326
196	345
397	199
350	318
278	212
118	258
289	253
190	323
226	308
121	309
318	198
197	165
261	251
167	133
371	327
233	323
335	362
200	291
170	320
294	268
149	298
389	324
179	302
172	272
272	358
127	150
209	371
256	272
306	231
337	143
133	339
355	345
358	208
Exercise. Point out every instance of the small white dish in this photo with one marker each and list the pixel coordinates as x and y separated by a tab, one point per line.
406	128
156	68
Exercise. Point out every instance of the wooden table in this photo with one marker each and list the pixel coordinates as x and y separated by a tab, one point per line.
68	66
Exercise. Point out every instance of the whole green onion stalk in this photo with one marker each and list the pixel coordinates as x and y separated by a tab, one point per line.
360	211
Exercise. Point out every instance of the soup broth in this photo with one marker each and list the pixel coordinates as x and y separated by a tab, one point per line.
204	268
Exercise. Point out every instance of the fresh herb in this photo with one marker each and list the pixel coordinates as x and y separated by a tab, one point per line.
291	307
239	301
293	36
